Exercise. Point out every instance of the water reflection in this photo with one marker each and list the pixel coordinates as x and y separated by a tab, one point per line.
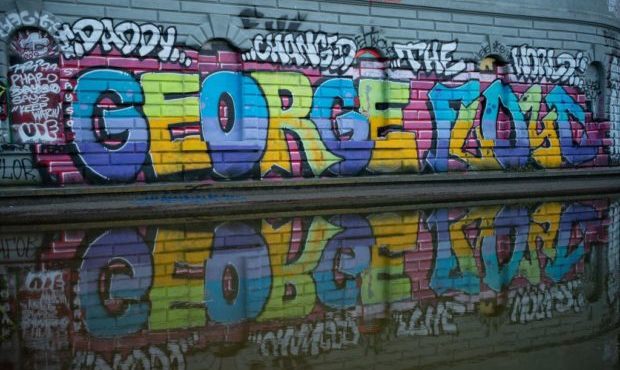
394	289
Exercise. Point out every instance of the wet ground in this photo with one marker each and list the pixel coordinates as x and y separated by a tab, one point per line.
498	286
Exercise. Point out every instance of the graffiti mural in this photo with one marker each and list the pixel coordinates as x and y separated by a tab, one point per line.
34	88
121	102
297	286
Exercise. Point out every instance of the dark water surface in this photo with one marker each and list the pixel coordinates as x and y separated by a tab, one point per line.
524	286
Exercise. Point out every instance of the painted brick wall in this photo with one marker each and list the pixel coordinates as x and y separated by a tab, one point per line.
406	288
174	91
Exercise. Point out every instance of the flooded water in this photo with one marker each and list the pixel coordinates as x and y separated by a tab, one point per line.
507	286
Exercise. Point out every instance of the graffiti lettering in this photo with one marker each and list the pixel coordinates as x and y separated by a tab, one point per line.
170	356
531	64
309	49
17	170
128	37
499	147
340	262
25	18
123	114
308	339
534	303
34	88
429	56
44	280
432	321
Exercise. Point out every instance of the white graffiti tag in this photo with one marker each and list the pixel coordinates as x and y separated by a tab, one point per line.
34	90
25	18
534	64
429	57
127	37
169	356
432	321
310	49
331	334
538	303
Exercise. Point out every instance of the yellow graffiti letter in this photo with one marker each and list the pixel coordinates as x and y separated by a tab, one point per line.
544	141
458	141
385	281
296	87
177	296
295	275
172	154
383	101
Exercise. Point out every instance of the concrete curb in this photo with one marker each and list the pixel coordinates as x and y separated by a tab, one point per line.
159	201
30	191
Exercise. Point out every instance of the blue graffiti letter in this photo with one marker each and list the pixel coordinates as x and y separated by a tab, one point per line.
116	267
441	98
347	134
236	137
111	144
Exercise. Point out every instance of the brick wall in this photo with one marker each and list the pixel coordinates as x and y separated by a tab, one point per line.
174	91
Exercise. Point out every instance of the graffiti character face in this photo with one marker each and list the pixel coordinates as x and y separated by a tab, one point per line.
32	45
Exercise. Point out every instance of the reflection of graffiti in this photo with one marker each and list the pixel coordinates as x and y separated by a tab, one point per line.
41	319
4	128
613	254
532	64
19	247
430	57
300	286
312	49
431	321
127	37
251	18
482	249
308	339
44	281
534	303
170	356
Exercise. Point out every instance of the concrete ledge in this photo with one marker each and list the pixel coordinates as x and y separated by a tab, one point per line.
79	190
79	204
